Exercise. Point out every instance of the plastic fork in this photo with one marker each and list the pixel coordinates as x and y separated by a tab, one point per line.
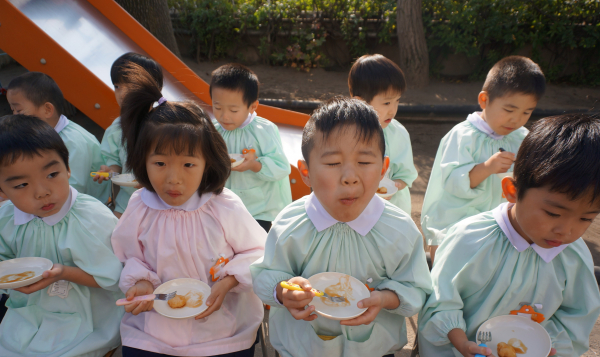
483	337
107	175
150	297
290	286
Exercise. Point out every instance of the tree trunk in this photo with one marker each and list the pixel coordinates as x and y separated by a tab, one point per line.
154	16
414	57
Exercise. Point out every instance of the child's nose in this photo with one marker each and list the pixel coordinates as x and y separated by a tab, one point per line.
350	177
42	192
174	177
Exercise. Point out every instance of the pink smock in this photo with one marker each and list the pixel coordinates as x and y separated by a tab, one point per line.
158	243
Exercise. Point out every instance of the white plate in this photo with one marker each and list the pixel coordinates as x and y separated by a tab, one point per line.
391	188
239	158
503	175
21	265
182	286
126	180
352	289
532	334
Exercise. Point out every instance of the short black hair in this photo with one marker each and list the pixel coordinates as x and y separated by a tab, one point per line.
25	135
39	88
563	154
236	77
179	127
515	74
340	112
371	75
117	70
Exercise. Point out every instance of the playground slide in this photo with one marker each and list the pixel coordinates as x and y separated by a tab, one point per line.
76	42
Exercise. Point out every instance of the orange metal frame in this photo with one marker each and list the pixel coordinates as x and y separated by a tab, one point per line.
24	41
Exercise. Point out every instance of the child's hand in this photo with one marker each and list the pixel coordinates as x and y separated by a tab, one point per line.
552	352
470	349
500	162
377	301
249	163
99	178
142	287
296	301
49	277
217	295
401	185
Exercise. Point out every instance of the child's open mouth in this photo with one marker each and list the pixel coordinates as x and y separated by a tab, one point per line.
48	207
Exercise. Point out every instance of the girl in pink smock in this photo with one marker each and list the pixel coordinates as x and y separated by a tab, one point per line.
183	224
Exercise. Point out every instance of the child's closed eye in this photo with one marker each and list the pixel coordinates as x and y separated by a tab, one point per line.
333	164
23	185
509	111
552	214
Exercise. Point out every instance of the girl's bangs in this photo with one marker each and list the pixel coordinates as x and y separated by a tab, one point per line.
177	139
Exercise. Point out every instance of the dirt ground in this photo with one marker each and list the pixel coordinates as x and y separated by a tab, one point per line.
425	132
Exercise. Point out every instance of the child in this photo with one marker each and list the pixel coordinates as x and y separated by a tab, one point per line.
342	227
37	94
183	224
261	181
526	250
71	311
380	82
113	152
463	179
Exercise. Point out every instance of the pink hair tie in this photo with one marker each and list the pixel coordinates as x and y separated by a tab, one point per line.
159	102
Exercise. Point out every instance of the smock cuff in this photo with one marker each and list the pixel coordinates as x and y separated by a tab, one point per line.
441	323
458	183
266	281
411	298
134	271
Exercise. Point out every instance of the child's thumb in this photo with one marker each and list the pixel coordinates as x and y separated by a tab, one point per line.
130	294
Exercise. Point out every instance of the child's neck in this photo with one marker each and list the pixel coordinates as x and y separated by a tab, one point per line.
53	121
512	217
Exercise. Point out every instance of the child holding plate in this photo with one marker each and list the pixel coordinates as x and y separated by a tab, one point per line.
183	223
342	227
527	250
71	311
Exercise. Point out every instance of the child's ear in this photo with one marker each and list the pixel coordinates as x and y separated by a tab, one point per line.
303	168
252	108
509	189
49	110
483	99
386	165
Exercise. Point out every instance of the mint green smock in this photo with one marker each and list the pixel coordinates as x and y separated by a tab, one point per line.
85	323
402	167
114	153
267	192
478	274
391	254
84	158
449	197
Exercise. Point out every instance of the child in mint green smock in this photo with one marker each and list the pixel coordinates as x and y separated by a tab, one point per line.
113	151
262	180
71	311
464	178
527	250
363	236
380	82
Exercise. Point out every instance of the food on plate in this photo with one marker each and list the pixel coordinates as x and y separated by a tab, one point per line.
233	160
13	278
512	348
341	289
177	302
192	299
382	190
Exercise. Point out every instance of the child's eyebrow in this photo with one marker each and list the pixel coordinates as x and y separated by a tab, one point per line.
14	178
50	164
367	152
555	204
330	153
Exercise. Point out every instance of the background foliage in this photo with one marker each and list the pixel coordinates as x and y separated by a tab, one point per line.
293	32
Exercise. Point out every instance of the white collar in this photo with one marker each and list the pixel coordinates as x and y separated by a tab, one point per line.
62	123
362	224
520	244
153	200
248	120
482	125
23	218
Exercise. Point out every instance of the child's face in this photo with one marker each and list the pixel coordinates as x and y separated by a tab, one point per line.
507	113
229	108
19	104
175	178
344	173
120	91
38	185
550	219
386	106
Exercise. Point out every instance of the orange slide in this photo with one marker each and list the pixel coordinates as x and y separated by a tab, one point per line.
75	42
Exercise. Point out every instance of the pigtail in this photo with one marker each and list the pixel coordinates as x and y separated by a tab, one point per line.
142	93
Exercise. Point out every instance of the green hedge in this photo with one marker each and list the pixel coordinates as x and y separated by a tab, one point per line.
292	32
